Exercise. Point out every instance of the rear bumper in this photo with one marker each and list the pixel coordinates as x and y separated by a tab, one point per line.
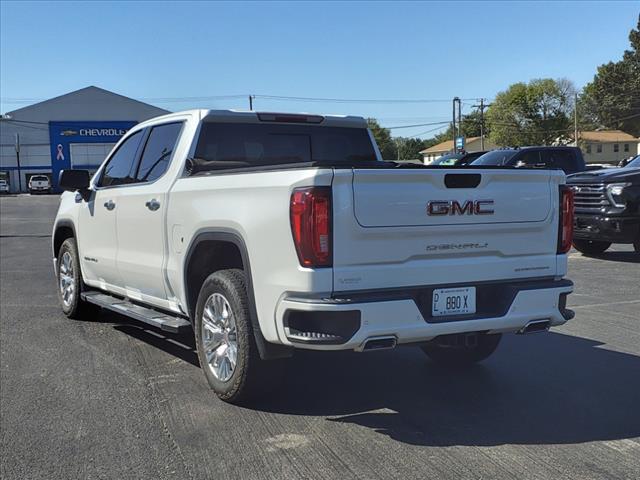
404	316
606	229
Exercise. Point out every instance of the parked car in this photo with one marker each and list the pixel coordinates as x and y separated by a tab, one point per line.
568	159
599	166
4	186
269	232
457	159
39	184
607	208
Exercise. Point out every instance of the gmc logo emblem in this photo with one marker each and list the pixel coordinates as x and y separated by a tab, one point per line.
453	207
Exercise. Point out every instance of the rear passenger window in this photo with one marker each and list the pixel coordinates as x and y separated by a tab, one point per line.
118	170
529	159
562	159
157	151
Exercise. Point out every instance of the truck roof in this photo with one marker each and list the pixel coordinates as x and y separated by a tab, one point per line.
245	116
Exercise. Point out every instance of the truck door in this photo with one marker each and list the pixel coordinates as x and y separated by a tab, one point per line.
141	218
97	239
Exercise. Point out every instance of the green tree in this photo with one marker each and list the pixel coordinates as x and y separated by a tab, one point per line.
409	147
534	113
382	135
470	128
612	99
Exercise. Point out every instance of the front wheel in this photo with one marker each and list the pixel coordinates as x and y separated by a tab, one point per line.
225	340
591	247
70	283
636	245
462	349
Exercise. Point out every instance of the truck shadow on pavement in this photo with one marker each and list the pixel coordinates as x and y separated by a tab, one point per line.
625	257
536	389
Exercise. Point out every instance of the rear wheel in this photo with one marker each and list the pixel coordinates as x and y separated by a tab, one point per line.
636	245
225	340
463	349
70	283
591	247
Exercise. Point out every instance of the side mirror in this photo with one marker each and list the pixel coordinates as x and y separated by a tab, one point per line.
74	180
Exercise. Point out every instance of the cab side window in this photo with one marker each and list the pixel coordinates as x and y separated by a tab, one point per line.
119	169
563	159
529	158
157	151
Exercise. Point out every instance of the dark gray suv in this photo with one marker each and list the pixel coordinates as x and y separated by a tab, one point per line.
568	159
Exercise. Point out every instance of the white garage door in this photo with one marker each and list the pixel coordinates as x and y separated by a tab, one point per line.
89	156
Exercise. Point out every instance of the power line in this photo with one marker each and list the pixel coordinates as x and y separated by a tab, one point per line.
18	100
418	125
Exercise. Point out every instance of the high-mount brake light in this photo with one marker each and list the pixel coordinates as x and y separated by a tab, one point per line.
311	224
289	118
565	227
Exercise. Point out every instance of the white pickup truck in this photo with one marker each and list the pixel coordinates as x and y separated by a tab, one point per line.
267	232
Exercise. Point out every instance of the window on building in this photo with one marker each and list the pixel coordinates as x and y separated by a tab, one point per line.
588	148
616	147
599	148
157	151
626	147
118	170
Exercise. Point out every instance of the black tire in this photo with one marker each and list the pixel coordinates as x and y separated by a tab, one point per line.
636	245
251	376
453	351
76	308
591	247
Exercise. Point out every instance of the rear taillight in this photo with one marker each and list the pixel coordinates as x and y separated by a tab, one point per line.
310	212
565	229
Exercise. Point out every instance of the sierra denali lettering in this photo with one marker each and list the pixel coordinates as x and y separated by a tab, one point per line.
453	207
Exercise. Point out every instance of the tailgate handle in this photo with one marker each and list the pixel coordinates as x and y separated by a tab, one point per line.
462	180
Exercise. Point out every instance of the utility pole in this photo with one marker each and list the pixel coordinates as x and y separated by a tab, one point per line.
18	162
251	97
482	107
575	120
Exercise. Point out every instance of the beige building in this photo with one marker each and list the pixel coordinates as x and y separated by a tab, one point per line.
472	144
608	146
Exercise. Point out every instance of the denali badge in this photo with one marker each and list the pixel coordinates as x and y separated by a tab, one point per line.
453	207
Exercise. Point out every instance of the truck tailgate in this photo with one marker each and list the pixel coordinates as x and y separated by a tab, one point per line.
483	225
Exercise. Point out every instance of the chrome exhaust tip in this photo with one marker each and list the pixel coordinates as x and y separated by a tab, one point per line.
378	343
535	326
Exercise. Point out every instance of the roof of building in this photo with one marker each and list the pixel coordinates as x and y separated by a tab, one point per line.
608	136
445	146
89	96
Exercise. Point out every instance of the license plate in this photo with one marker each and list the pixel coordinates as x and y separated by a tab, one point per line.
453	301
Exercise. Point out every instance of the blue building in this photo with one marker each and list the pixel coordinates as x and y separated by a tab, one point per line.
75	130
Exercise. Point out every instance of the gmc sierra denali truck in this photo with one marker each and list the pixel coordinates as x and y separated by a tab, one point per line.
607	208
268	232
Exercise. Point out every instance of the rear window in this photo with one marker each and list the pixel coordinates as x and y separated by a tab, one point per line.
235	145
495	157
40	178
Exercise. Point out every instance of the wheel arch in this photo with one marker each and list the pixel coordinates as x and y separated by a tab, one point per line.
222	249
63	229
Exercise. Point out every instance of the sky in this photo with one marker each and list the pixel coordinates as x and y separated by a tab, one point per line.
180	55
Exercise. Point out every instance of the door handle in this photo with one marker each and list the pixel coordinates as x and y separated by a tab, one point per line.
109	205
153	205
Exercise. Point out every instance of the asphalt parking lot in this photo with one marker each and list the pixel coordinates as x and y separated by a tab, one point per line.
111	398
